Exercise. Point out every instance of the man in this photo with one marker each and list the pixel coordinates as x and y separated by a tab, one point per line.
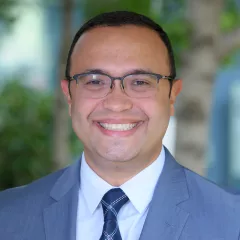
121	88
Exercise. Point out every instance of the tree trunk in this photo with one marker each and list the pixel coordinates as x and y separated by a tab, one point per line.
61	155
198	70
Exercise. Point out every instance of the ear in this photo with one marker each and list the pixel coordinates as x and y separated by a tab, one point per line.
65	90
176	89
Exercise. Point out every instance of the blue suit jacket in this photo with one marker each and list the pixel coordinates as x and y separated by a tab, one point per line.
185	206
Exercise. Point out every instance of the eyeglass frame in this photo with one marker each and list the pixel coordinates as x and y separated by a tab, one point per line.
157	75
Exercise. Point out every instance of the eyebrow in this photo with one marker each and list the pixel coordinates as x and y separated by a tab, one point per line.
134	71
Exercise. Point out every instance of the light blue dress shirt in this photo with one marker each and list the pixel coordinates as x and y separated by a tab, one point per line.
132	215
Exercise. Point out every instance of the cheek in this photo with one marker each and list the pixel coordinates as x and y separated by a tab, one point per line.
81	108
157	109
79	115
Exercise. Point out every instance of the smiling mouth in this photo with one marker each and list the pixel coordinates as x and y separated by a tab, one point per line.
118	127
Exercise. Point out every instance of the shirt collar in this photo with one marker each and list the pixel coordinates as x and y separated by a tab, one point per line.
138	190
92	186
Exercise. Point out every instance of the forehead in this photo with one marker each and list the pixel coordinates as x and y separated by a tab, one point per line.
120	48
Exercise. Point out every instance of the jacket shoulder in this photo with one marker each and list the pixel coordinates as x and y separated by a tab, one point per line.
37	189
212	207
202	187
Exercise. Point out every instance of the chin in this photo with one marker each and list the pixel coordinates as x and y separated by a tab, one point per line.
118	156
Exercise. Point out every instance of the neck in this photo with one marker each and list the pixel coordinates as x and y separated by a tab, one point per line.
116	173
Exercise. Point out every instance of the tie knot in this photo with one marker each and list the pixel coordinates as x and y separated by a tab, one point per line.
112	202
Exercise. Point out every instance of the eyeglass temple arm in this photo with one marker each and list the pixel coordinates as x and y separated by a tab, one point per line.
170	78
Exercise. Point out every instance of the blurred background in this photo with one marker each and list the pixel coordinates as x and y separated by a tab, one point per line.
35	131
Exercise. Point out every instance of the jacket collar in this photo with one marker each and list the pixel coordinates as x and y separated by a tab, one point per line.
166	219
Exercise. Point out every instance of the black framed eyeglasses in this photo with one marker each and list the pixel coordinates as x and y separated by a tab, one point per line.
135	85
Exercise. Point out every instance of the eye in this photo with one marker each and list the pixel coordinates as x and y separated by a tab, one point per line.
94	82
140	82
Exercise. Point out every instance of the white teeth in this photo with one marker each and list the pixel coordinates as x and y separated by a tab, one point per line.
118	127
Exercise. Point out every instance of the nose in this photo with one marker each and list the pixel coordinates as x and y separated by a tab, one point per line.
117	100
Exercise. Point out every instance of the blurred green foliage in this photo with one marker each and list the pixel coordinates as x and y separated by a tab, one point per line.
230	17
26	135
7	17
93	7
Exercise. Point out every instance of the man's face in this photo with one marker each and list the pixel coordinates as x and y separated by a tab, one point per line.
118	51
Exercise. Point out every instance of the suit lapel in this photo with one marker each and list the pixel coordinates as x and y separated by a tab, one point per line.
60	217
166	219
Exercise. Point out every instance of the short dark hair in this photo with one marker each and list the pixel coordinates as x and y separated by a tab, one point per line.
121	18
